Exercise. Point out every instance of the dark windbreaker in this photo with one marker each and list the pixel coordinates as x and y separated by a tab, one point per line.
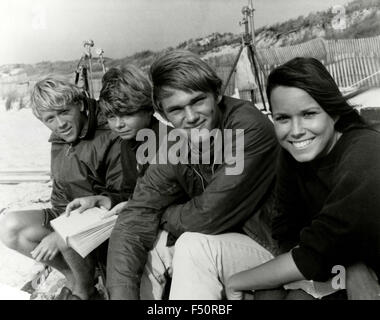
89	166
199	198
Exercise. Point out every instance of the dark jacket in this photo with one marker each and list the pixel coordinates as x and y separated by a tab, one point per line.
199	198
89	166
330	207
131	167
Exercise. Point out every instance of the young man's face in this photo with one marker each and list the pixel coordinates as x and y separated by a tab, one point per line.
66	123
191	110
127	126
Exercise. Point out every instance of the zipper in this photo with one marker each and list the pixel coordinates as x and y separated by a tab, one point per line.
202	179
68	150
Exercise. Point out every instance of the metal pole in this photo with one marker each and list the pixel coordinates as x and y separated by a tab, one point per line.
252	21
100	52
232	70
90	66
257	76
88	44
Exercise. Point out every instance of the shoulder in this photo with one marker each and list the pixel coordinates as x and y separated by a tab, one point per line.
158	175
104	134
240	114
243	113
361	146
359	154
102	142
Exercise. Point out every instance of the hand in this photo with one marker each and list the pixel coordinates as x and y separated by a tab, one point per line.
85	203
231	292
116	209
48	248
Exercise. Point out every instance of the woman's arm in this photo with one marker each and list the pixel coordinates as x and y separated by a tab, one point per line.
269	275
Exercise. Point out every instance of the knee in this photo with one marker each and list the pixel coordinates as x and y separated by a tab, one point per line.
10	228
190	248
189	242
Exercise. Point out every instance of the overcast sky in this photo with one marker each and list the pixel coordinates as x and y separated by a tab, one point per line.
41	30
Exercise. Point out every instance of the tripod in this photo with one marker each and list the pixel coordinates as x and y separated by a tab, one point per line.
84	73
84	68
248	42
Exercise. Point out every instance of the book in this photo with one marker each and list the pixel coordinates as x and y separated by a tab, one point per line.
84	231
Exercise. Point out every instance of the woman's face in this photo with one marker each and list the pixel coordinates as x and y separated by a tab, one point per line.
302	127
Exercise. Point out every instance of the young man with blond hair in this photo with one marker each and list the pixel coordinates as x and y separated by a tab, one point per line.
85	160
125	100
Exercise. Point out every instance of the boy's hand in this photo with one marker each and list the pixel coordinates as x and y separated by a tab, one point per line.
47	249
116	209
82	204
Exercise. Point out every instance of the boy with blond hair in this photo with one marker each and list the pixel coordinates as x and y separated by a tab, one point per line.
85	160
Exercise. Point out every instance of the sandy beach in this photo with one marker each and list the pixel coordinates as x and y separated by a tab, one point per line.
24	145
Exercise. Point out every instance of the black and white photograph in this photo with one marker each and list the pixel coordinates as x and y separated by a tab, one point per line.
201	150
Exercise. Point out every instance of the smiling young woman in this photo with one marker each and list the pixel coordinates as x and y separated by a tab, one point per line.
328	177
302	127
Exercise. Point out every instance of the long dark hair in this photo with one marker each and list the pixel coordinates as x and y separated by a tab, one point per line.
310	75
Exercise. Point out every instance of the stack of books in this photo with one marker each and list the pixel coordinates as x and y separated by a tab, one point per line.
84	231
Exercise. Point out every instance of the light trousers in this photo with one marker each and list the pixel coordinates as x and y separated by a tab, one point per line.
158	270
203	263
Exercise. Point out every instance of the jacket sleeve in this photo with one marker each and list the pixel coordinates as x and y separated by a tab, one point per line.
58	198
347	227
229	200
136	228
110	182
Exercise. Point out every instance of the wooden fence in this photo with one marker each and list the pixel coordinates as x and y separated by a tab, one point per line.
350	62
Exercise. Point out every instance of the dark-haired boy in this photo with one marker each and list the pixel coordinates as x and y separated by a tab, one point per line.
207	198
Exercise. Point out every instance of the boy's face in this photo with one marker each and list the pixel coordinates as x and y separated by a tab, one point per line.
191	110
127	126
66	123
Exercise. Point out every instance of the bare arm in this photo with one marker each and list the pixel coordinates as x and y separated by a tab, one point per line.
272	274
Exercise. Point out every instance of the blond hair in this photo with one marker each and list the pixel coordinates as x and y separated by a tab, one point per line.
54	94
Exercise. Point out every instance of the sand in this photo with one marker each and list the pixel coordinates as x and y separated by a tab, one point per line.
24	145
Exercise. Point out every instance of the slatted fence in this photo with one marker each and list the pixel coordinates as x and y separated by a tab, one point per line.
350	62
